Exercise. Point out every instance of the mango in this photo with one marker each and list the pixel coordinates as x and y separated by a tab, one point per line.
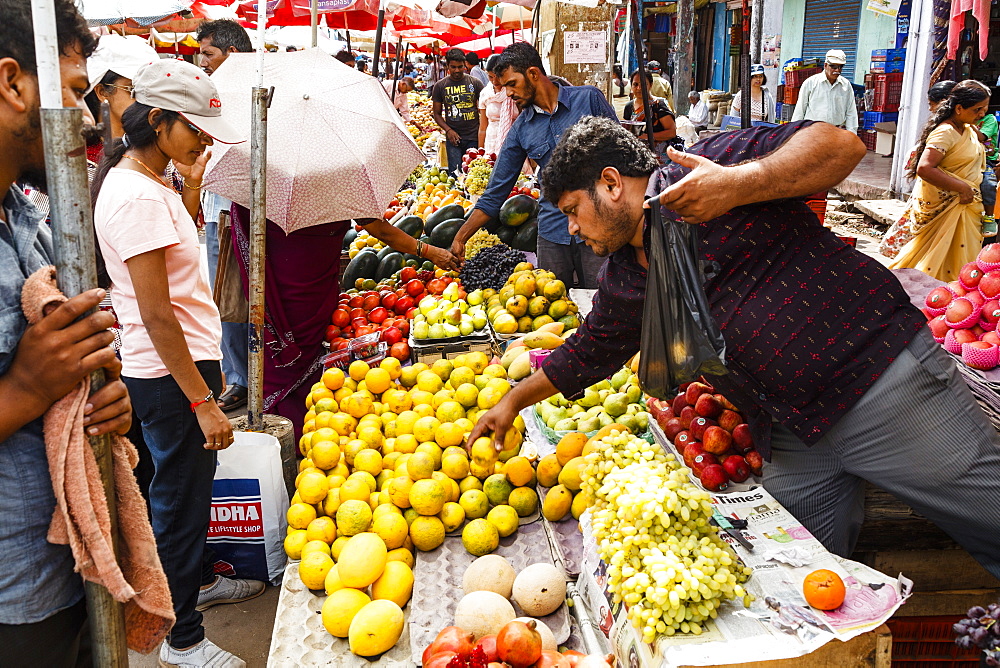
376	628
540	339
557	503
362	560
520	367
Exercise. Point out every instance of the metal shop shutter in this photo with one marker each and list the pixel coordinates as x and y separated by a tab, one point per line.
832	24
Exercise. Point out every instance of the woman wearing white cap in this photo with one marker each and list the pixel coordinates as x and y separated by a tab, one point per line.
171	327
761	100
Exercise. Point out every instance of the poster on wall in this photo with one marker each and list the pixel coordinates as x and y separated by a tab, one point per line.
771	51
585	47
886	7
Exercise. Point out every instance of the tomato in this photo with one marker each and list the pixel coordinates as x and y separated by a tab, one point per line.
356	301
332	332
371	301
357	313
407	274
378	315
403	304
412	313
389	300
436	286
392	336
341	318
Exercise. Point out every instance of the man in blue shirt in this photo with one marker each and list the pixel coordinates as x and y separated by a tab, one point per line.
42	611
547	111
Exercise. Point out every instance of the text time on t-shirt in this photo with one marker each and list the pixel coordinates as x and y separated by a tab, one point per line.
458	104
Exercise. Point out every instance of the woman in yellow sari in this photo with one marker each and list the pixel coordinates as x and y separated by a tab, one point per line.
942	228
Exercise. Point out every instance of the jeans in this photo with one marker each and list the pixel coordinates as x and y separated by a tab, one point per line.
180	494
235	335
565	260
60	641
455	153
989	189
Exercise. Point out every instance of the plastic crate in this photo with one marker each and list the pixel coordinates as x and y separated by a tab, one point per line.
888	54
794	78
886	67
817	203
888	90
786	112
868	137
929	642
791	95
873	117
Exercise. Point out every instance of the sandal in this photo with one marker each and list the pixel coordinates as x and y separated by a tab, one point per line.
234	397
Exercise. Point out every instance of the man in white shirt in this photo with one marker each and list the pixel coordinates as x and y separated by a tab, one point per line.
827	96
698	114
401	102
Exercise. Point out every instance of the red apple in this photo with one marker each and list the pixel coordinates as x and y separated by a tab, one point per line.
714	478
989	284
699	463
991	337
708	406
414	288
726	403
678	404
671	428
691	450
389	301
729	419
356	301
990	254
687	415
717	440
695	390
938	326
412	312
407	274
736	467
403	304
392	336
958	310
699	424
378	315
970	275
958	289
341	318
965	336
743	438
755	461
991	311
976	298
682	439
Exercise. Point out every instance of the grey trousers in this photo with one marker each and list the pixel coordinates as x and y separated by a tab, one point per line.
917	433
564	260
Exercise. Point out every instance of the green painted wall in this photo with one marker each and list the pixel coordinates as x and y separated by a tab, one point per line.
875	31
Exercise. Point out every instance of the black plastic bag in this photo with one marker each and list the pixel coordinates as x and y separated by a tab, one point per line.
680	340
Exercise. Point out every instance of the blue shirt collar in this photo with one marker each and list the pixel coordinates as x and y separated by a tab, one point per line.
532	110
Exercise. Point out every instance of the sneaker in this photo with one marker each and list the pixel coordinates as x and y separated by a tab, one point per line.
228	590
205	654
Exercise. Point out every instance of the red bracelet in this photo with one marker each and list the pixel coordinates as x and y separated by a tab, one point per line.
209	397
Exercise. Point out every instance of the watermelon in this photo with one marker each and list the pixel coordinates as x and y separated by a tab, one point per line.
518	210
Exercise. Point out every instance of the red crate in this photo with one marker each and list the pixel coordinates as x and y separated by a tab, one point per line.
888	90
929	642
817	203
795	78
868	137
791	95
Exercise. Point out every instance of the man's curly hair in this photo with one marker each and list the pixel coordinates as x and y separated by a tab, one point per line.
586	149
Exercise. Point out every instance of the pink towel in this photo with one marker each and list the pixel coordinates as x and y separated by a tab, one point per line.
981	11
81	519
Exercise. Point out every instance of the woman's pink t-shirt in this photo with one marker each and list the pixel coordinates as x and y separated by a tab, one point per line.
136	215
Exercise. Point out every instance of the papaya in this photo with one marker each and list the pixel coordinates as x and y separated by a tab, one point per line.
441	215
389	265
517	210
444	233
364	265
412	225
526	238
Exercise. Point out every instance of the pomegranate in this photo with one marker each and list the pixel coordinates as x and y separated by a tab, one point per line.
596	661
550	659
440	660
489	646
573	657
519	644
453	639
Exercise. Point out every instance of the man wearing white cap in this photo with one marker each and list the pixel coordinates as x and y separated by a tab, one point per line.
827	96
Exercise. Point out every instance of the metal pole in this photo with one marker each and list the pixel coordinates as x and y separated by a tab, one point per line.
348	41
258	237
314	21
685	54
756	28
378	38
640	55
395	74
745	68
73	242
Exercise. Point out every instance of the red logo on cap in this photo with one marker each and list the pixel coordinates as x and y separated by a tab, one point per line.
215	103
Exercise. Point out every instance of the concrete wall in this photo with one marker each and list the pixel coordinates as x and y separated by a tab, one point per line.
772	25
875	31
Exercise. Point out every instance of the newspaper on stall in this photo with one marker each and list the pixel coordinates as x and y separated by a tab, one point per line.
779	624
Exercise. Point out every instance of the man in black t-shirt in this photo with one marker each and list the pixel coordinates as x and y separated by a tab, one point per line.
456	109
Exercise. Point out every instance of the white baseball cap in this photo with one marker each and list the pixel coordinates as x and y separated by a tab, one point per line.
121	55
836	57
176	85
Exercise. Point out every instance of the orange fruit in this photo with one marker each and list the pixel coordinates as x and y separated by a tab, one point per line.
823	589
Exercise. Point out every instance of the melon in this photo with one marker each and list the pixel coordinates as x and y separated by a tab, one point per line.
489	573
483	613
395	584
340	608
376	628
362	560
548	638
540	589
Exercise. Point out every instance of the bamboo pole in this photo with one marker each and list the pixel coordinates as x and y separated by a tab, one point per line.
258	237
73	242
395	73
640	55
745	68
314	21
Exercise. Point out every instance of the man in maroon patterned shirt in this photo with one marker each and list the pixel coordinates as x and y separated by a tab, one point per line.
833	366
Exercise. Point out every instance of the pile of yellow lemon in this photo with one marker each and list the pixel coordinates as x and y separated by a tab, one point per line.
385	462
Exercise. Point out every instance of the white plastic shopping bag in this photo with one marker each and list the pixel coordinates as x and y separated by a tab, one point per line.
249	502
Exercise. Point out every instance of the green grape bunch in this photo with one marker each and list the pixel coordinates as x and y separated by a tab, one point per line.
665	560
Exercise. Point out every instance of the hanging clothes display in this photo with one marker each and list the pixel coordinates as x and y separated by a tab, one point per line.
981	11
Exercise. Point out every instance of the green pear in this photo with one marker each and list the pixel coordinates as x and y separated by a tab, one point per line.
589	424
634	394
642	420
629	421
605	419
616	404
567	424
590	398
619	378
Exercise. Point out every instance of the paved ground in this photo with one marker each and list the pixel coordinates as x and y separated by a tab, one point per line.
870	179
